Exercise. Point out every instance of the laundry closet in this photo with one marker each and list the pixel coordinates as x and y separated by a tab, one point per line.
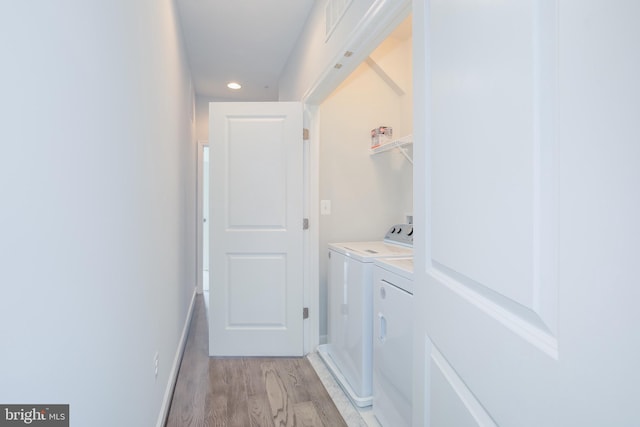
366	192
365	188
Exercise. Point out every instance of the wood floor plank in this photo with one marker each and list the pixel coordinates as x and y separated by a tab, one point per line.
227	379
324	406
219	410
260	411
306	415
279	400
294	380
254	374
246	392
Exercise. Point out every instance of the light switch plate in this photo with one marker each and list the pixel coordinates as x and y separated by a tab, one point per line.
325	207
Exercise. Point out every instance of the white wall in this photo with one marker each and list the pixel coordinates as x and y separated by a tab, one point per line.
202	115
367	193
97	177
313	52
202	118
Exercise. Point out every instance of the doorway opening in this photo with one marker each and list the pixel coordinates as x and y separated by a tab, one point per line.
205	225
363	191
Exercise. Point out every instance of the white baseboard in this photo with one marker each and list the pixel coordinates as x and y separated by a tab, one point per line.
173	376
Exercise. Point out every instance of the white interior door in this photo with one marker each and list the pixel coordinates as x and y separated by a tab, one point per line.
526	289
256	268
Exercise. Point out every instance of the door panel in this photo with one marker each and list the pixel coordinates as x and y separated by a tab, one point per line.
264	278
488	218
452	403
491	271
256	229
257	173
526	260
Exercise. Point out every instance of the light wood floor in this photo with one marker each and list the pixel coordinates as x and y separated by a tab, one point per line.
246	392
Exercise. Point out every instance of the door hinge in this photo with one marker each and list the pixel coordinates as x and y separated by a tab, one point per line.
305	134
305	313
305	223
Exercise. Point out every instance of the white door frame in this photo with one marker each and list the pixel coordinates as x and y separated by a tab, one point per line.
199	217
311	290
420	185
381	19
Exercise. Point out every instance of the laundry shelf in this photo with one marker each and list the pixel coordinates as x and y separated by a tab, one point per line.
406	140
398	143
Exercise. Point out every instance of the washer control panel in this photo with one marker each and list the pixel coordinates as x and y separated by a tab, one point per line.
400	234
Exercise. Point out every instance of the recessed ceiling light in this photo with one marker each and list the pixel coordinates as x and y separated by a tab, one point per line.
234	85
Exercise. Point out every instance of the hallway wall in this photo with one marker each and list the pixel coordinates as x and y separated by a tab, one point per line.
97	226
202	115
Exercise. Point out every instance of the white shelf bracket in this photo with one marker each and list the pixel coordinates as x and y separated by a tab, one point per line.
404	153
399	144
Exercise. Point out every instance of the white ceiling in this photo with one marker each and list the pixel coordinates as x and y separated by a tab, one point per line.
248	41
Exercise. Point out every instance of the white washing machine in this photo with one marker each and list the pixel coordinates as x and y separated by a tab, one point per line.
392	342
348	352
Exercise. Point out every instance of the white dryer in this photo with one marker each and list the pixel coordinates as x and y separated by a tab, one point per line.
348	352
392	342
